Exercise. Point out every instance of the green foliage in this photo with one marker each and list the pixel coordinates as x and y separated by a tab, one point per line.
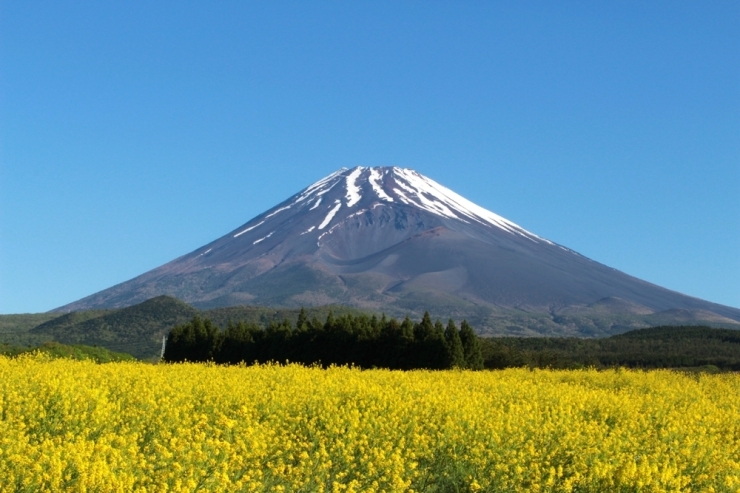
198	340
23	322
361	340
78	352
471	347
657	347
454	346
137	330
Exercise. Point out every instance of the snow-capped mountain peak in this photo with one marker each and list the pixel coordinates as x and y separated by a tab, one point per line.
390	238
367	187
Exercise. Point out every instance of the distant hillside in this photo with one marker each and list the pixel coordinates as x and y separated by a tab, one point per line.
24	321
68	321
263	316
391	240
78	352
657	347
139	329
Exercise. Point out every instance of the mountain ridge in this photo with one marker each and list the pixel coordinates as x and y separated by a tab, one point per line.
391	238
139	329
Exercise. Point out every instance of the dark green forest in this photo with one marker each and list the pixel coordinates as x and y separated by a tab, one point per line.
372	342
350	336
656	347
359	340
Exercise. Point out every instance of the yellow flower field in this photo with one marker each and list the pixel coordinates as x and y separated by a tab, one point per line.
79	426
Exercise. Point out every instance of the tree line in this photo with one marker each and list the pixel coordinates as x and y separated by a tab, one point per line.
655	347
359	340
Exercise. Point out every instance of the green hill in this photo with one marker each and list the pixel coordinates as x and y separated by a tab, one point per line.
137	330
23	321
263	316
78	352
656	347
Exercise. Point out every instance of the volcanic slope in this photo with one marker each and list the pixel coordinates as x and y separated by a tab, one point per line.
390	239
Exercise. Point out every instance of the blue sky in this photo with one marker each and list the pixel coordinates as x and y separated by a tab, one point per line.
134	132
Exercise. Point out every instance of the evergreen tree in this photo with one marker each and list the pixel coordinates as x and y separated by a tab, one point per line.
471	347
276	341
439	330
438	347
179	343
302	323
429	347
238	343
198	340
392	345
424	330
407	329
455	353
347	339
329	325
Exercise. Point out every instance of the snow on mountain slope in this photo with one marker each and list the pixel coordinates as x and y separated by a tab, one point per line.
390	185
390	237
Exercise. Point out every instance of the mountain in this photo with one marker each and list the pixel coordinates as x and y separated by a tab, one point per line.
136	329
390	239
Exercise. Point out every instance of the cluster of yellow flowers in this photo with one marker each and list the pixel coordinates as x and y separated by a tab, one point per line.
79	426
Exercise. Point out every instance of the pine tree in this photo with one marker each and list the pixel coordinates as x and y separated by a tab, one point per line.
374	324
471	347
302	323
330	321
439	330
424	330
407	329
455	353
438	347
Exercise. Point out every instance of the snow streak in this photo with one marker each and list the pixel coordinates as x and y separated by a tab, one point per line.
331	214
374	180
308	192
394	185
353	191
254	243
433	197
281	209
249	229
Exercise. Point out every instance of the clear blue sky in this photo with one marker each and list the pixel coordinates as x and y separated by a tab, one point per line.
134	132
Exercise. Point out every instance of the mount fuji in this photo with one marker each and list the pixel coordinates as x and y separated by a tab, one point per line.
390	239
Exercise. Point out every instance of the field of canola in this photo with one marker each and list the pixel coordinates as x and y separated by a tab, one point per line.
79	426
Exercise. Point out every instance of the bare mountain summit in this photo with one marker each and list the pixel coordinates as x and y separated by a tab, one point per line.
390	239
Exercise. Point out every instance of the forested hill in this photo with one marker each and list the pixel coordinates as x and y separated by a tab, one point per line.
139	330
657	347
77	352
367	341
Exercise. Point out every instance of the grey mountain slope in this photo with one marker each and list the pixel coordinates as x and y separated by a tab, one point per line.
390	239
